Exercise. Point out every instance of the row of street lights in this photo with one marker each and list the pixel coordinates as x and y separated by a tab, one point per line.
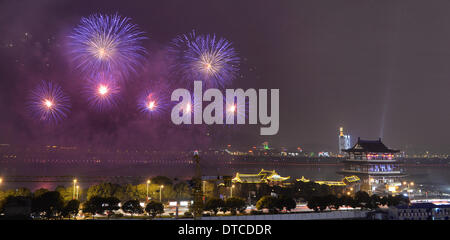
76	189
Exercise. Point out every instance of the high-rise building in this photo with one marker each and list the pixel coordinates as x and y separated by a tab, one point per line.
344	141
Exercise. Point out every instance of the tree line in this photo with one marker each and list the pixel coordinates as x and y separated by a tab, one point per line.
105	198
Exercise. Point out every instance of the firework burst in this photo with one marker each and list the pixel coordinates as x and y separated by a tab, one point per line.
152	103
103	43
204	57
48	103
102	91
233	111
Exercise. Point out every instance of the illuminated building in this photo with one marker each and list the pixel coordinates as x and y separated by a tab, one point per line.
264	176
375	164
420	211
345	182
344	140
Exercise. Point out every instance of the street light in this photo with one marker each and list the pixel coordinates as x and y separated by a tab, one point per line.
160	192
232	186
148	183
74	183
78	187
204	199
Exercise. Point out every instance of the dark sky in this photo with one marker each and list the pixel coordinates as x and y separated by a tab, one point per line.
378	68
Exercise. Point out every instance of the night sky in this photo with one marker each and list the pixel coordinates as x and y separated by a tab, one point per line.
377	68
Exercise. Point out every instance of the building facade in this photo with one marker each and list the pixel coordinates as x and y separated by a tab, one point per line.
420	211
264	176
376	166
344	141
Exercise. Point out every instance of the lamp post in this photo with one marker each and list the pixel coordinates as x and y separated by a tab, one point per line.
160	192
148	183
204	199
78	187
231	190
74	183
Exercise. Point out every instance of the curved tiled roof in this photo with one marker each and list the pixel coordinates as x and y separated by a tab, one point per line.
375	146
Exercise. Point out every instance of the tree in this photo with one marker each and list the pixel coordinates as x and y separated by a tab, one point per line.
16	206
182	190
235	204
162	180
213	205
39	192
394	200
110	204
66	193
71	208
308	190
335	202
132	207
374	202
94	205
362	199
348	201
286	202
153	208
318	203
51	203
106	190
168	192
132	192
268	202
24	192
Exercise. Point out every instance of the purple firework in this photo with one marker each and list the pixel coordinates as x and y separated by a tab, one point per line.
102	91
106	43
152	102
48	103
235	110
205	58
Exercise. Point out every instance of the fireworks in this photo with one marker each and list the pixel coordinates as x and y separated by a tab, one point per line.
102	91
152	103
103	43
205	58
107	48
235	110
48	103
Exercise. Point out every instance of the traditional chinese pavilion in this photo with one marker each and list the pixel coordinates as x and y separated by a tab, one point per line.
376	166
264	176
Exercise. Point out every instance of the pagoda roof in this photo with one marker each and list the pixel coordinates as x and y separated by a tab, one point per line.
263	176
349	180
375	146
